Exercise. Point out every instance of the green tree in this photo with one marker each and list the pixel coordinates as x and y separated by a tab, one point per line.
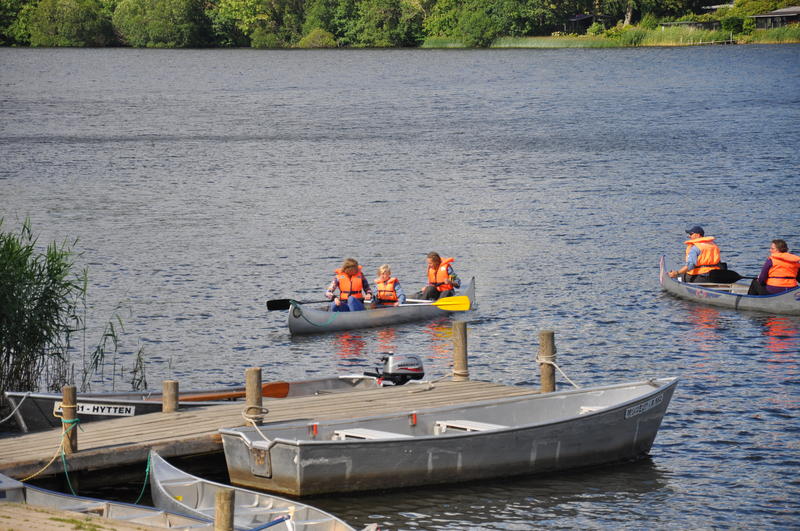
477	27
162	23
70	23
318	38
40	298
383	23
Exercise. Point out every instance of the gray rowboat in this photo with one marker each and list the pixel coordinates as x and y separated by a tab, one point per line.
305	319
488	439
730	295
37	411
12	490
173	489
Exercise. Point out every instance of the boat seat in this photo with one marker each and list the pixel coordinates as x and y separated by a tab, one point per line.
364	433
442	426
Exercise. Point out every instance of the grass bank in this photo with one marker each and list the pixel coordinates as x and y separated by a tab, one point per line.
635	36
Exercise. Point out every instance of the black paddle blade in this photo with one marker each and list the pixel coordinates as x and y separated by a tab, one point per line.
279	304
724	276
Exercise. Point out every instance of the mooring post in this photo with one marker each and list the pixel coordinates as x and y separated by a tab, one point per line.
169	399
460	367
69	414
252	390
547	357
223	510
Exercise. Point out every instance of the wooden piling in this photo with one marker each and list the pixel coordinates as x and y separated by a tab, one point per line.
547	353
223	510
169	402
69	412
252	389
460	367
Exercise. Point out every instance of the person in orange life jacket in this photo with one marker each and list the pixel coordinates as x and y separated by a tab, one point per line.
352	286
442	280
780	272
389	291
702	256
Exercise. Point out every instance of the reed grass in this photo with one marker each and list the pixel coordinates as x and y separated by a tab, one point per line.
442	42
570	41
784	35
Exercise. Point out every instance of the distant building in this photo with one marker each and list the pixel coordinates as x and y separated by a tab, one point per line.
712	9
710	25
778	18
580	23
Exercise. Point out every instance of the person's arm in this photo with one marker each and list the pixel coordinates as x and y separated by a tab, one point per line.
691	262
764	275
332	287
366	288
454	280
401	296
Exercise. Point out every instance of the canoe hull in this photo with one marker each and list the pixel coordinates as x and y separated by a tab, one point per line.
35	411
527	435
304	319
784	303
177	491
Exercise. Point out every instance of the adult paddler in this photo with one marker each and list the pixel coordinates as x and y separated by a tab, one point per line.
702	257
442	279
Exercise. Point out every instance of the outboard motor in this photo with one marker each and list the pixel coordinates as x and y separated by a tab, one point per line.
400	368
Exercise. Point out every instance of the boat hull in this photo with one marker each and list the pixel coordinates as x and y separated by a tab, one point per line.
730	295
36	410
303	319
177	491
514	436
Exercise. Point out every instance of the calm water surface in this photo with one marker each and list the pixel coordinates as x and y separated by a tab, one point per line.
202	183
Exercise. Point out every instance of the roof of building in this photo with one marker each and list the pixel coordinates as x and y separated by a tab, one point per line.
785	12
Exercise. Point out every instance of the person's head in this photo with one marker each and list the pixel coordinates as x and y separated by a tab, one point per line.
778	246
696	231
384	272
349	266
434	260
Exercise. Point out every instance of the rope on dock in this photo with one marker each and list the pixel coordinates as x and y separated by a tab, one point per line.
26	395
550	362
60	450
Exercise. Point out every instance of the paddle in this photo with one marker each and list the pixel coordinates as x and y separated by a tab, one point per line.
725	276
285	304
458	303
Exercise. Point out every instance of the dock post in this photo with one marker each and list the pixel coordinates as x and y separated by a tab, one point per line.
547	357
169	400
223	510
460	367
69	414
252	390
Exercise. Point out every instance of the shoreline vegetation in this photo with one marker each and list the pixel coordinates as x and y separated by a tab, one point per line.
282	24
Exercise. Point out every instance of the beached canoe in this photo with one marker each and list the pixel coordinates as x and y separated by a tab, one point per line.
528	434
37	411
733	295
174	490
308	319
15	491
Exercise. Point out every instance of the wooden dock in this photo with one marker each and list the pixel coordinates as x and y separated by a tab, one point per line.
127	440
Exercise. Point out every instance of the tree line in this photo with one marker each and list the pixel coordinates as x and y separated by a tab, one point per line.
317	23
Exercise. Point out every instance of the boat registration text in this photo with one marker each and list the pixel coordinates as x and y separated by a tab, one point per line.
638	409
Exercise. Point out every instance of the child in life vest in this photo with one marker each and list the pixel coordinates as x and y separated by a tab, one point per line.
389	292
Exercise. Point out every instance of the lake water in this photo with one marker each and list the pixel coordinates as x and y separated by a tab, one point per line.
201	183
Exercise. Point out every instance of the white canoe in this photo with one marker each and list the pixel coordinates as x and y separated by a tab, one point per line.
305	319
529	434
12	490
173	489
732	295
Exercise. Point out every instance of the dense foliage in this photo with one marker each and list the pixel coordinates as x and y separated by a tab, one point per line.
326	23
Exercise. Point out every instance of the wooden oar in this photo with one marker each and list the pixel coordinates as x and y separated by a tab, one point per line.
457	303
268	390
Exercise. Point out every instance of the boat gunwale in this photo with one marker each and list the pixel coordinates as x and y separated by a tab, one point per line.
669	383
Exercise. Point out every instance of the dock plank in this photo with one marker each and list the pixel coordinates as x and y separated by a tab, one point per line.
127	440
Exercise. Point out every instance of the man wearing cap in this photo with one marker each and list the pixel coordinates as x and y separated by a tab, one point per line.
702	256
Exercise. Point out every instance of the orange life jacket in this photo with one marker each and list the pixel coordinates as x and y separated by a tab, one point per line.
386	292
439	277
709	255
783	272
350	286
